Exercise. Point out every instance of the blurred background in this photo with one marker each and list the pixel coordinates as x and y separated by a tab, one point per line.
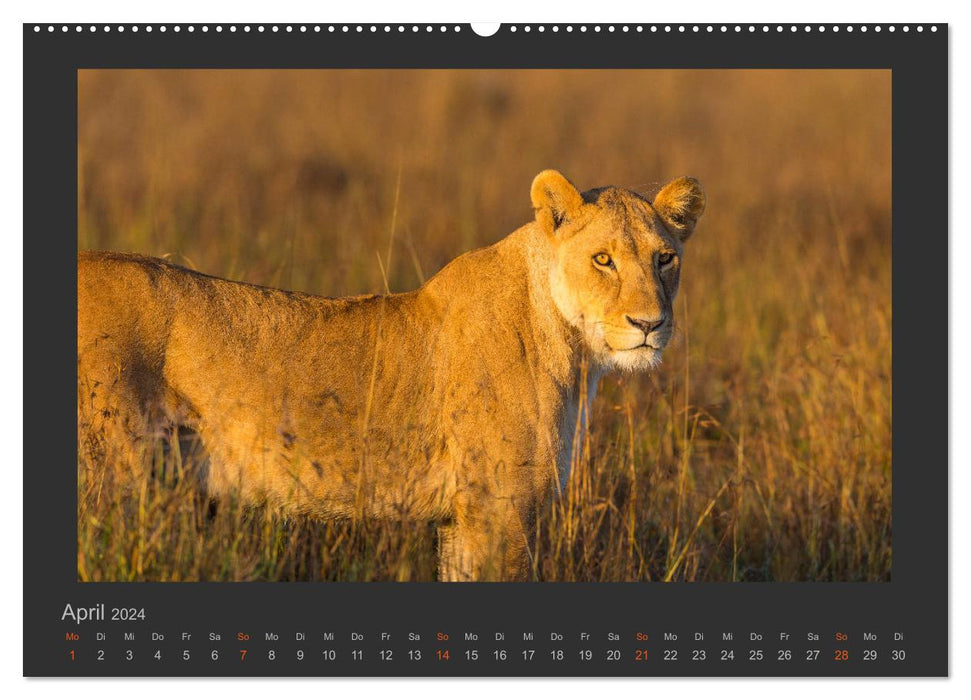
761	448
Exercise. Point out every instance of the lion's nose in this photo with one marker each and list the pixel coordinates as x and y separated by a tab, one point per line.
644	324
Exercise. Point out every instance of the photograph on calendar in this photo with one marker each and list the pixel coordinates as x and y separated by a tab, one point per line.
484	325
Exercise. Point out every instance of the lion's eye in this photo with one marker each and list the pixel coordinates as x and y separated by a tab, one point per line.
603	260
665	259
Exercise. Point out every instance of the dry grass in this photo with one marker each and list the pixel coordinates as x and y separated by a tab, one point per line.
762	448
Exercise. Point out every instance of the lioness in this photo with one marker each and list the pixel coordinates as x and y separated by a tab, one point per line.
458	402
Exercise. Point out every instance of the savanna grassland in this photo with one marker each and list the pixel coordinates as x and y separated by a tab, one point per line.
760	450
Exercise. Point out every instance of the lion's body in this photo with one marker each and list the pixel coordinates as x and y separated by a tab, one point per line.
457	402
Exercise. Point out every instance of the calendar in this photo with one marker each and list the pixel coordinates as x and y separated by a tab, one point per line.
461	350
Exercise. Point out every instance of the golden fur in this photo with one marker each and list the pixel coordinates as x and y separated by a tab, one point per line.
457	402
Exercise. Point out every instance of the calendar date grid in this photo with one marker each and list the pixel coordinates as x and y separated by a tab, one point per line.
316	651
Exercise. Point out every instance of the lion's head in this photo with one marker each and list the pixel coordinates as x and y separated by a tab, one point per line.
617	262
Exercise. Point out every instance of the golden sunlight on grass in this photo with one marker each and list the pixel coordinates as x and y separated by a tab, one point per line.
761	449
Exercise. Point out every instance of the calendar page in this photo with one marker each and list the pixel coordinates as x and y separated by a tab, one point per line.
451	350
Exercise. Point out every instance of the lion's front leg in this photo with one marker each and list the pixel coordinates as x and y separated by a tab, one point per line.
487	544
454	558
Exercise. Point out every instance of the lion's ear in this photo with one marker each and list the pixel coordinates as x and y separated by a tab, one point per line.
680	204
555	200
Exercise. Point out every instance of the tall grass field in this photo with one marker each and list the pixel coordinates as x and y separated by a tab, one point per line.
760	450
